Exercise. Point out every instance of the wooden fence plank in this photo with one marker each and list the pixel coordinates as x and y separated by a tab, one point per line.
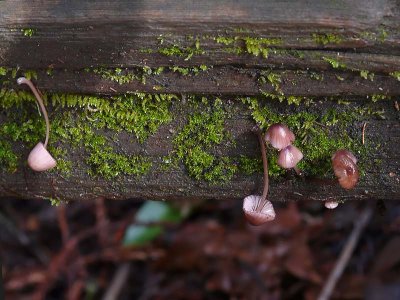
340	55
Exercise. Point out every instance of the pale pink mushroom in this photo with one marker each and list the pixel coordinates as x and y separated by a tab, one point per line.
39	159
279	135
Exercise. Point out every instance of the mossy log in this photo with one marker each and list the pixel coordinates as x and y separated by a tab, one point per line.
156	100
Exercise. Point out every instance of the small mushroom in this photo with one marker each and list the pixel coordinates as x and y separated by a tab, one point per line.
279	135
345	168
258	209
346	153
331	204
289	157
39	159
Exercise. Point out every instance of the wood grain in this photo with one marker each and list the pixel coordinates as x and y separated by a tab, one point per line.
73	35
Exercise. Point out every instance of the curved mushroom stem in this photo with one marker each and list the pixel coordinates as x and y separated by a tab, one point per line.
298	171
265	162
23	80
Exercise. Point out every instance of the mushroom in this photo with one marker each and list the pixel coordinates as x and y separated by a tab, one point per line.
39	158
345	168
279	135
289	157
258	209
331	204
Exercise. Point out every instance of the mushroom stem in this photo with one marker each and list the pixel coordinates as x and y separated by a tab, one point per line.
298	171
23	80
265	163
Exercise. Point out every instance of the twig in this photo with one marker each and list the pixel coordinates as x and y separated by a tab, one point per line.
59	262
345	256
118	282
23	239
63	223
102	221
363	133
74	292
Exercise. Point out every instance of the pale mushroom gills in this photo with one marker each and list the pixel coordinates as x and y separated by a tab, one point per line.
258	210
331	204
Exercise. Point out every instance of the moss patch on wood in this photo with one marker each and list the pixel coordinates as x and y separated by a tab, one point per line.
317	135
81	121
326	38
205	129
78	124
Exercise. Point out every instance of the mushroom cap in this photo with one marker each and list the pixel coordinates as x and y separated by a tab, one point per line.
279	135
22	80
258	210
289	157
331	204
345	169
345	152
40	159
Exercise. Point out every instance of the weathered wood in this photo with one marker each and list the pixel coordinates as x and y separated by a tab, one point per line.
225	80
70	36
381	182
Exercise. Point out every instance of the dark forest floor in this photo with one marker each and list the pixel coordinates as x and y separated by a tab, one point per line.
75	251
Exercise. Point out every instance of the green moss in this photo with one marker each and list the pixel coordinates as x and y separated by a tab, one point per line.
318	136
49	71
106	163
367	75
379	97
3	71
93	123
138	113
117	75
273	78
252	45
8	158
185	71
102	159
55	201
203	131
29	74
29	32
146	50
326	38
124	76
181	51
334	63
257	46
250	165
395	74
316	76
29	132
296	100
64	166
10	98
383	34
225	40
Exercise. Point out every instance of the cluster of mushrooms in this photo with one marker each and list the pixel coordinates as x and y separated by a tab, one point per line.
258	209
